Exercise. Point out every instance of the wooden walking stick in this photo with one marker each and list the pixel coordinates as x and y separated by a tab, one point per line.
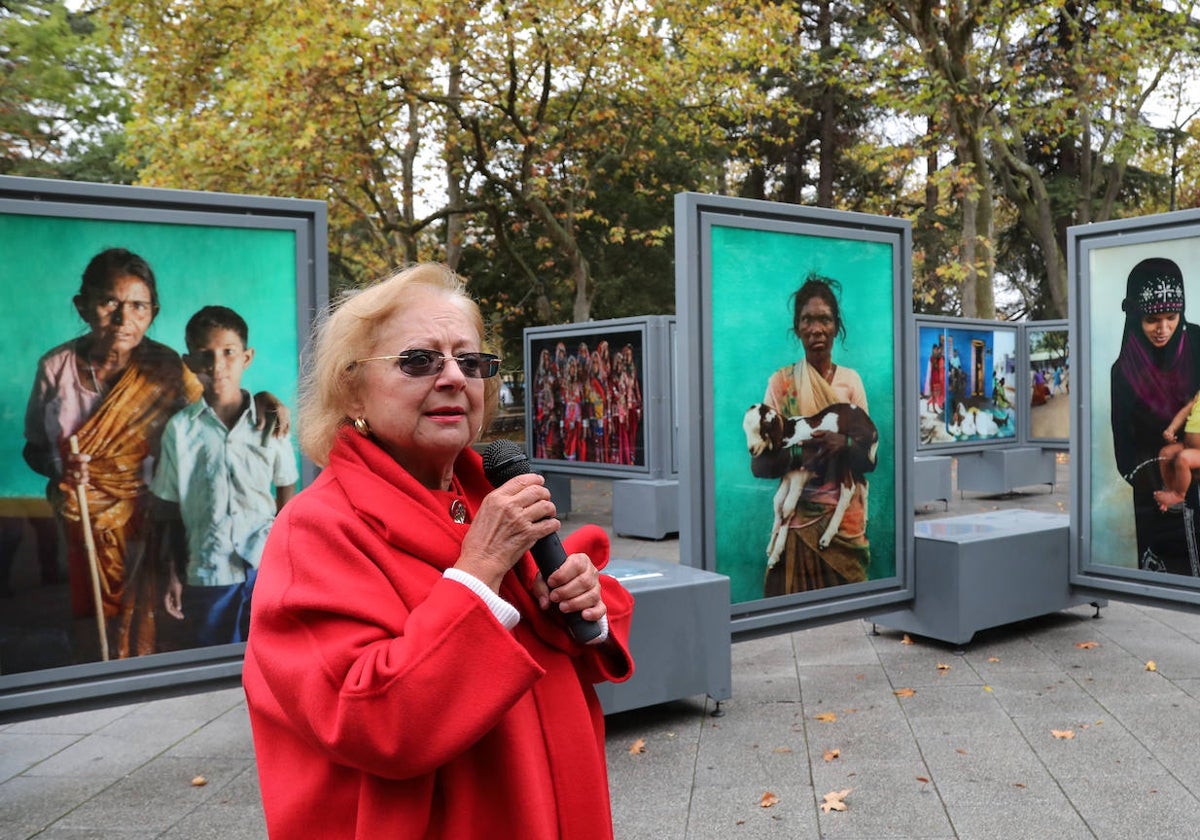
93	564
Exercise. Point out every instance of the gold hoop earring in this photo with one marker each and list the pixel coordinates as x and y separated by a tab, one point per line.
360	426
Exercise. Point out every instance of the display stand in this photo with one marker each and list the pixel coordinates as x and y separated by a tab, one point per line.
997	471
646	508
986	570
680	637
931	479
559	485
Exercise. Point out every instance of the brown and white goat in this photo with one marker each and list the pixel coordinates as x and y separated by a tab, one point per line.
767	429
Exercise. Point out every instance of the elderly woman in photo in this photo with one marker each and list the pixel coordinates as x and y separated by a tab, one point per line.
112	390
409	673
800	390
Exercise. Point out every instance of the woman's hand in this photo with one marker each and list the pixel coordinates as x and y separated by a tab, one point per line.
574	587
511	519
266	406
75	468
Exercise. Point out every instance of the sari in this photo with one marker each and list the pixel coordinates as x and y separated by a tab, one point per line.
799	391
121	436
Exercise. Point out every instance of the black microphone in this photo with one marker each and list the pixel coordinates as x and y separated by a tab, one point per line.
503	461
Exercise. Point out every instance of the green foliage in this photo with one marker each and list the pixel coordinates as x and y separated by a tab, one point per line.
61	101
538	146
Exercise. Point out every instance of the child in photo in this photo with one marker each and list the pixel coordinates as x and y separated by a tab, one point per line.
218	484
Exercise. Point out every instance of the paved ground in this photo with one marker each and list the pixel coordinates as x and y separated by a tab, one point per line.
930	741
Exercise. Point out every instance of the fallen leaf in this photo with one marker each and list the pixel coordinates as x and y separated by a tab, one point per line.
835	800
825	717
922	780
942	666
783	750
768	799
199	781
1151	665
961	751
830	755
993	659
1063	734
1087	645
904	692
1019	785
987	688
638	746
907	640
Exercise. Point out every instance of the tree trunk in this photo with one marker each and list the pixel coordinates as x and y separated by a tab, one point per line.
828	107
455	223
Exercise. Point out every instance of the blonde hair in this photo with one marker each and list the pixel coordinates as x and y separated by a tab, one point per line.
349	331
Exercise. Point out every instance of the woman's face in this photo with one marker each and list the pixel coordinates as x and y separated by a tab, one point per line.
120	315
1159	328
817	328
423	422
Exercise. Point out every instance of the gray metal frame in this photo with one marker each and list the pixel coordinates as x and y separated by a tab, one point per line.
658	377
695	214
70	199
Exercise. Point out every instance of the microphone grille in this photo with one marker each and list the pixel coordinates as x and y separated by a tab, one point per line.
504	460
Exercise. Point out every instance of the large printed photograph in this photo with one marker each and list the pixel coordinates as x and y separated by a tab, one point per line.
151	374
1049	382
588	397
1144	424
968	384
803	398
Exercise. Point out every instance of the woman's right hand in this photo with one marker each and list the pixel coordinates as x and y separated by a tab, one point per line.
75	468
511	519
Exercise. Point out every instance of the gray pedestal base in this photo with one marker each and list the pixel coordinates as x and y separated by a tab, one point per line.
999	471
680	637
986	570
931	479
645	508
559	486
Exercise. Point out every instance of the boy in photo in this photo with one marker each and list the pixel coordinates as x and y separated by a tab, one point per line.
213	486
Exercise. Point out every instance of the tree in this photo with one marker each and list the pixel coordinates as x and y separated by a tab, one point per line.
1044	104
61	101
526	109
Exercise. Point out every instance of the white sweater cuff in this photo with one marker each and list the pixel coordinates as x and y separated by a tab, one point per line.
505	612
603	637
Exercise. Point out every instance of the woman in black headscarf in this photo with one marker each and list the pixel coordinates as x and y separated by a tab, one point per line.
1156	373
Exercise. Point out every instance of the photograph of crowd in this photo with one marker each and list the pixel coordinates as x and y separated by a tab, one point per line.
586	393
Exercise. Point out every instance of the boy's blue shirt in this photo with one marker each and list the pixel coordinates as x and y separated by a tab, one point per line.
223	481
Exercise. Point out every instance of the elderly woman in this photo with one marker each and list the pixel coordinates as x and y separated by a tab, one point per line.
408	673
800	390
113	389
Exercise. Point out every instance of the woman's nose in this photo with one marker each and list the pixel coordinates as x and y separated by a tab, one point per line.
451	373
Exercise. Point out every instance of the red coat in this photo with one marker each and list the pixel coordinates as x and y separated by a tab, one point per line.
388	701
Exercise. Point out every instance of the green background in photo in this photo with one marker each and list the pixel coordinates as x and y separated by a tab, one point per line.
250	270
754	274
